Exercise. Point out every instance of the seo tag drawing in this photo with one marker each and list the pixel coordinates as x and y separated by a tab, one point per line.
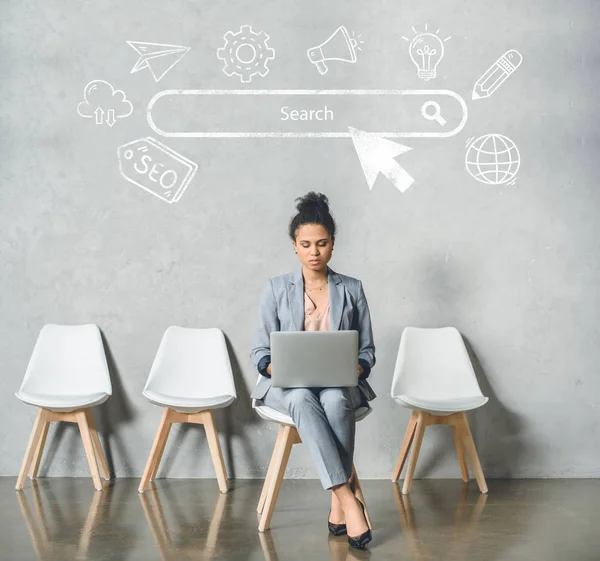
156	57
493	159
246	53
103	103
156	168
426	50
340	46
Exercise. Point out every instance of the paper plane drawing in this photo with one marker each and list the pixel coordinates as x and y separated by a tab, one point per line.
158	58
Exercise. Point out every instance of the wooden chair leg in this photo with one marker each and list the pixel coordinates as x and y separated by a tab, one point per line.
158	446
289	437
358	493
34	439
100	457
82	421
160	451
215	449
158	458
270	471
37	458
408	438
460	451
414	455
467	438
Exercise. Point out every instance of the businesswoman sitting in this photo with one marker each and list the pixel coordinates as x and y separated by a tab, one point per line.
315	298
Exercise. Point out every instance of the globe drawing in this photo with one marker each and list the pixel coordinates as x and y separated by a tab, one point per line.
493	159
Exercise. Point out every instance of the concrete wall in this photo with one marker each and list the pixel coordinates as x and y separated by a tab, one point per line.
514	267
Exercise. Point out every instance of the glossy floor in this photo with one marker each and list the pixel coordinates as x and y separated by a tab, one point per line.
519	520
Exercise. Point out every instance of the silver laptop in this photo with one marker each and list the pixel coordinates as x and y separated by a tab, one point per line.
314	359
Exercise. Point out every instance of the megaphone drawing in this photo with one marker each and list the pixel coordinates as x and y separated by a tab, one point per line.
339	46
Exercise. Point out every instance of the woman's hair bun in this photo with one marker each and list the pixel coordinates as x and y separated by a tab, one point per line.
313	208
313	201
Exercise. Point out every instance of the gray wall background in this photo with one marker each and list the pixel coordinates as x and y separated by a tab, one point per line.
514	268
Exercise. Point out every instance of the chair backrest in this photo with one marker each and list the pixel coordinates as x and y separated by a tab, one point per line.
68	360
192	363
253	399
433	363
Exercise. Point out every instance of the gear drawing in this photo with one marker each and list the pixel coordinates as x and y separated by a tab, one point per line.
246	53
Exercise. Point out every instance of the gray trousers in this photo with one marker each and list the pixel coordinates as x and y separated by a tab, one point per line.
325	421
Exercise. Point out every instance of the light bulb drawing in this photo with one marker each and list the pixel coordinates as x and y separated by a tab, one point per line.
426	50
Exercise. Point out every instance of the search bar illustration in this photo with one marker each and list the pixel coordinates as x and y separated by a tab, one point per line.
306	113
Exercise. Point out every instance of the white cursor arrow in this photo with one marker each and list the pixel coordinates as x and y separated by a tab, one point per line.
376	154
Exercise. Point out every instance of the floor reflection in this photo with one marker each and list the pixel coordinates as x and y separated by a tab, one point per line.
61	519
464	526
53	531
339	549
195	537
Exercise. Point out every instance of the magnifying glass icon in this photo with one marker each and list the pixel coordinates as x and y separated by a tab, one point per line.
436	115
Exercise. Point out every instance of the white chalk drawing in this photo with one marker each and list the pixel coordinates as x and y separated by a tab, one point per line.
156	57
437	112
297	134
246	53
493	159
497	74
376	155
426	50
340	46
156	168
103	103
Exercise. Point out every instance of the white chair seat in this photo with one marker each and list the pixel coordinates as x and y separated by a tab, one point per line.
445	406
62	403
188	404
270	414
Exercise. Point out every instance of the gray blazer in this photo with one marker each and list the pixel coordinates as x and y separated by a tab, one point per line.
282	309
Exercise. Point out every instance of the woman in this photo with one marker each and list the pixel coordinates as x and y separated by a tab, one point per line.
315	298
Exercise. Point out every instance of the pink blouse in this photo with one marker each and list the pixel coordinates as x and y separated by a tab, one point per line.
315	319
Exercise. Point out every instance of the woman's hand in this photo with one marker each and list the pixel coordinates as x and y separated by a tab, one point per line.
269	369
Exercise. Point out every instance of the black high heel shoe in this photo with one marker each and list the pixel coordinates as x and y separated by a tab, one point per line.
336	529
360	542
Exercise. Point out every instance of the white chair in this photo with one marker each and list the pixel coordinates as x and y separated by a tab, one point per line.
66	376
190	376
286	438
435	378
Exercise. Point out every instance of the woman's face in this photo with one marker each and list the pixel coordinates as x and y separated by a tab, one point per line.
314	246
